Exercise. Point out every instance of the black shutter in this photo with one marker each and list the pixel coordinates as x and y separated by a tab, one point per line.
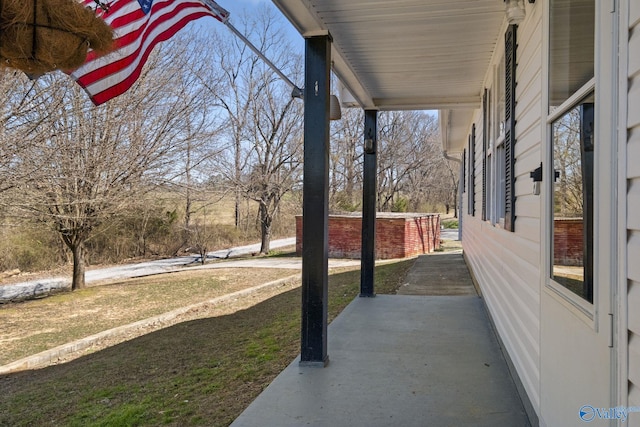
464	171
485	142
472	171
471	178
510	124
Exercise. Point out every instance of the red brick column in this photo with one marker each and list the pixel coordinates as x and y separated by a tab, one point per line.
568	241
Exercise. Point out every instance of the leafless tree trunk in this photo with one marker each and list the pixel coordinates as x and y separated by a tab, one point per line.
277	151
94	161
403	155
234	93
263	121
346	158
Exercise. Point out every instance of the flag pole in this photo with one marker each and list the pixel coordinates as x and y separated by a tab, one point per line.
296	92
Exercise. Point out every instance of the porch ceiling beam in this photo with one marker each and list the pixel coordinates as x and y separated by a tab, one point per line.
428	103
454	129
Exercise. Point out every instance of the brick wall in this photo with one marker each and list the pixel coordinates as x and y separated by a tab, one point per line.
397	235
568	241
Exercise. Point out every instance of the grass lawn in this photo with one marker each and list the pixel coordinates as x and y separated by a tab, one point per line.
33	326
200	373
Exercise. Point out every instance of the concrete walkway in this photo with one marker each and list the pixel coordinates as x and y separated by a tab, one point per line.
45	286
402	360
439	274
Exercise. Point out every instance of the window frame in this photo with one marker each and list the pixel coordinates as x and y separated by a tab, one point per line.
584	306
584	310
495	151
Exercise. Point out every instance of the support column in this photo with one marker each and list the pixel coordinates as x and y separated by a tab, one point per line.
369	190
315	202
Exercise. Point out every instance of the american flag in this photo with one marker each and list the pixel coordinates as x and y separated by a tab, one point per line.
138	26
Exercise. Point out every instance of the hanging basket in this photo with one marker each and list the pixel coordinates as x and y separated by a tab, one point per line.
37	36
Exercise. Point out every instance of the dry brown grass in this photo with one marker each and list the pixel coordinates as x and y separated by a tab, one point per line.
34	326
202	372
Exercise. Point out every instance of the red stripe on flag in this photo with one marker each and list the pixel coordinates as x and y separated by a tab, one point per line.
124	85
122	60
135	41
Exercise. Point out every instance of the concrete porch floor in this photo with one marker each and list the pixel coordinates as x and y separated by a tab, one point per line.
401	360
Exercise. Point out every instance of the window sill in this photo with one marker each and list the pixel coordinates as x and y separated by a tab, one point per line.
578	306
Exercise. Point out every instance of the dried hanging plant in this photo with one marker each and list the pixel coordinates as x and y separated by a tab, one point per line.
37	36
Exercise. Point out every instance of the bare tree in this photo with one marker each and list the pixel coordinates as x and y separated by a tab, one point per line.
568	194
234	92
450	180
434	181
20	123
412	172
346	158
405	156
277	149
263	122
93	161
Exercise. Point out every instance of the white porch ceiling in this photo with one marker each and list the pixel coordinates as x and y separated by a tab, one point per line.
406	54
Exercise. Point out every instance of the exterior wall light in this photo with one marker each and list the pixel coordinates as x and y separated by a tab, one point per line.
514	9
335	113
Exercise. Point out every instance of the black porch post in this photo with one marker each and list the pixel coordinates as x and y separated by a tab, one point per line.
315	202
369	184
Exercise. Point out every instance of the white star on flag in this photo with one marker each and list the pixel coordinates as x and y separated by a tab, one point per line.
145	5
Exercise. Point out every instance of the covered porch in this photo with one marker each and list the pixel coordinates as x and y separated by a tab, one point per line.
429	357
408	360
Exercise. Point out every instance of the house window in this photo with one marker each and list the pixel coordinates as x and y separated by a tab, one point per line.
571	50
489	191
499	125
571	116
496	158
500	158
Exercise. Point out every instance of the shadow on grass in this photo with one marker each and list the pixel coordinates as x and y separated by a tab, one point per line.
202	372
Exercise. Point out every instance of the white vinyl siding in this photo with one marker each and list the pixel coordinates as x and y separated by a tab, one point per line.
507	265
633	206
